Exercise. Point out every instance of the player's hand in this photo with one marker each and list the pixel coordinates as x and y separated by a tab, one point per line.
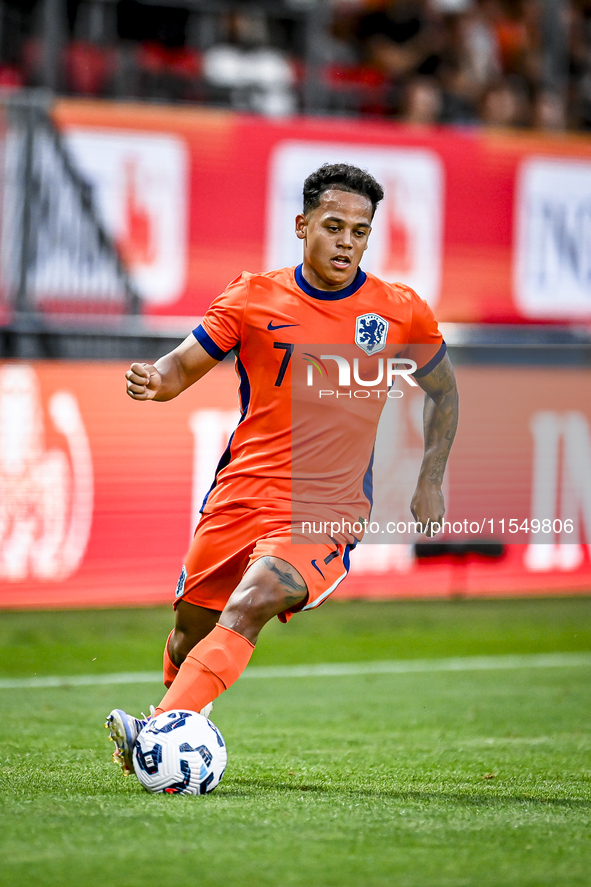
143	381
428	507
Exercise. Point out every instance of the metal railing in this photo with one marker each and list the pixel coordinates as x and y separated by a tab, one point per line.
55	254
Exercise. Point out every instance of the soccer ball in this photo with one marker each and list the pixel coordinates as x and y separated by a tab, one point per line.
180	752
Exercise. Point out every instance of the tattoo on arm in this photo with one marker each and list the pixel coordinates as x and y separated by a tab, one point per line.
440	419
295	590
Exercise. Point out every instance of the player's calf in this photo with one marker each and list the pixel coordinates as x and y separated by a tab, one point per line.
192	624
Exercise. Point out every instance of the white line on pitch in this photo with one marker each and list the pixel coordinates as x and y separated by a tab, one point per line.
334	669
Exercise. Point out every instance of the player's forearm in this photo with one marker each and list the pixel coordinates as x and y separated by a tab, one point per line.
440	421
172	375
178	369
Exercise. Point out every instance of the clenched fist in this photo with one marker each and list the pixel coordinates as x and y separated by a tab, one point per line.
143	381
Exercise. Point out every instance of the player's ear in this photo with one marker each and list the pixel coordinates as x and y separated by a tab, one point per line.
301	224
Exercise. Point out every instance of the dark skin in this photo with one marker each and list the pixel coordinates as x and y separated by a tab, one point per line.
440	421
334	236
268	587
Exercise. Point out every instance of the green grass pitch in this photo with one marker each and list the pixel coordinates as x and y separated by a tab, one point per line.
434	779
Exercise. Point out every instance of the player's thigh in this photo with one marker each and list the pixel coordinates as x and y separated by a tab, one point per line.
270	586
321	566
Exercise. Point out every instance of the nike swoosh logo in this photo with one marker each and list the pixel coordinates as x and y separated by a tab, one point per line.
280	326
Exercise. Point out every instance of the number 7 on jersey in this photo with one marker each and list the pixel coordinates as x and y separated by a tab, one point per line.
285	361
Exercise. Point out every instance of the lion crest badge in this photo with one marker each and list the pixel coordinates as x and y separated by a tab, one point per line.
371	332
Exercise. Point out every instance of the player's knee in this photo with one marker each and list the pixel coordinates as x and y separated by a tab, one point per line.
250	607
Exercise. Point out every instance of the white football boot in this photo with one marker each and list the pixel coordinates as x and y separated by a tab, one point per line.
124	731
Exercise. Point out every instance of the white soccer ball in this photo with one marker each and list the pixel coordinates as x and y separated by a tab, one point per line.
180	752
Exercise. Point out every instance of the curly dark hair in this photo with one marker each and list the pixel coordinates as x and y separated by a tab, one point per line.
341	177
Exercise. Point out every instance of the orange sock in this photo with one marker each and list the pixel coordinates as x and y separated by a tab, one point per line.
169	669
210	668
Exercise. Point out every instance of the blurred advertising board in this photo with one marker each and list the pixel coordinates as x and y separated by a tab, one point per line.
487	225
99	495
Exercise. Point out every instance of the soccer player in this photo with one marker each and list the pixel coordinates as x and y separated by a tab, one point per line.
245	565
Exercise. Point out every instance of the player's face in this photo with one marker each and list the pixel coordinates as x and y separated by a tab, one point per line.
335	237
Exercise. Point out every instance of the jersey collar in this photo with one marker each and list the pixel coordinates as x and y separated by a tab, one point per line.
303	284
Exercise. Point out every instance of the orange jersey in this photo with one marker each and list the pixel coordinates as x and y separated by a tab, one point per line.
274	323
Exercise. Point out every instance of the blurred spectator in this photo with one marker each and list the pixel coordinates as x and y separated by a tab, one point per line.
460	98
247	72
423	100
398	39
504	104
479	50
549	111
453	61
468	62
512	33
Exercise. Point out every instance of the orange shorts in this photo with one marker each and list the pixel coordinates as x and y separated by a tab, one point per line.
227	542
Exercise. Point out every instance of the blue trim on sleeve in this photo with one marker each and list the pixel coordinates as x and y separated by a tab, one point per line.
431	364
325	295
207	342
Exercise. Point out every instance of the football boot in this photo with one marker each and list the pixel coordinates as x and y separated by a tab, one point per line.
124	731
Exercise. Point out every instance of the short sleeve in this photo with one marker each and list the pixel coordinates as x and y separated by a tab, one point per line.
425	342
220	330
